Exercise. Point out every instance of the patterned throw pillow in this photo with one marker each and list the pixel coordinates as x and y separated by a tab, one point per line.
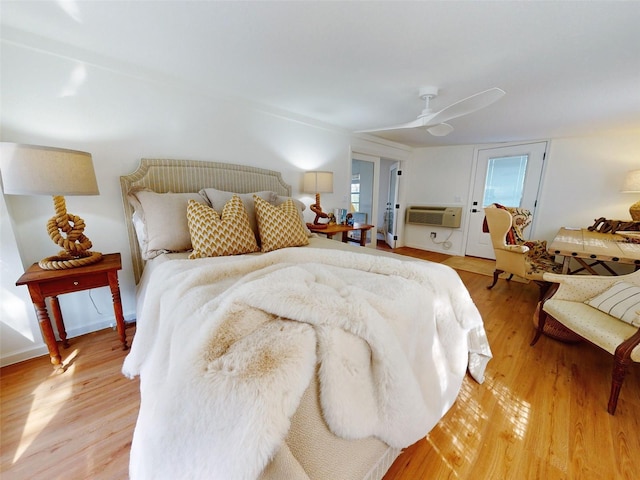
218	199
622	301
279	226
215	235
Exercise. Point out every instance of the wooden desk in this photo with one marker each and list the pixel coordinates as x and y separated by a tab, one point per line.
51	283
593	248
331	230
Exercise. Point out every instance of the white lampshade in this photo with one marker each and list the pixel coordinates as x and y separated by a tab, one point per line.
318	182
631	182
36	170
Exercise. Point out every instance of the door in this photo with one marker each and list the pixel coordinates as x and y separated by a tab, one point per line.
364	194
393	207
509	176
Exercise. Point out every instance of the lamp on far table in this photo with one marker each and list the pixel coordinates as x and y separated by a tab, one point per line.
632	185
36	170
318	182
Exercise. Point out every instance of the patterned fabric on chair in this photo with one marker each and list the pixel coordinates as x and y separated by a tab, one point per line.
598	321
514	254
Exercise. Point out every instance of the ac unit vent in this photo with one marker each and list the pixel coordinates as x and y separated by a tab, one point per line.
433	215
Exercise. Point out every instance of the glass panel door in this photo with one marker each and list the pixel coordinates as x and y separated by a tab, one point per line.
362	184
505	180
392	202
509	176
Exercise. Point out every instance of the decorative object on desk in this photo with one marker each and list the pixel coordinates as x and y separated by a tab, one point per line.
37	170
341	215
318	182
349	219
331	219
632	185
602	225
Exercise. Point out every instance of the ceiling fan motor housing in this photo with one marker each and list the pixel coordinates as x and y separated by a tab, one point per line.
426	94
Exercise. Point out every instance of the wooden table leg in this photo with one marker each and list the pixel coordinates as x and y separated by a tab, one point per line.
45	326
57	316
363	237
117	307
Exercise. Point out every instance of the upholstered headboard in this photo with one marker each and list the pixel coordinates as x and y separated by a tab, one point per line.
179	176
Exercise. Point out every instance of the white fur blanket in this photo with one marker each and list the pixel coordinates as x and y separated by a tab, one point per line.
226	348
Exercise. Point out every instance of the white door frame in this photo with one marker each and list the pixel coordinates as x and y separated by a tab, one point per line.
376	182
472	182
392	239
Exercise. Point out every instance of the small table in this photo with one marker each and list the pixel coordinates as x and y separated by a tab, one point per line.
331	230
593	248
51	283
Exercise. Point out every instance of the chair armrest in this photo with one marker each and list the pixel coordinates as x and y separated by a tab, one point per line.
625	349
579	288
516	248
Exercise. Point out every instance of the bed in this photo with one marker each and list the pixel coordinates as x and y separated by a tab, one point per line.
307	360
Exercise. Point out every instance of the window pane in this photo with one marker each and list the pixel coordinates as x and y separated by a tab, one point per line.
505	181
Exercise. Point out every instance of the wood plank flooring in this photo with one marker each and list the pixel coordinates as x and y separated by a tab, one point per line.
540	414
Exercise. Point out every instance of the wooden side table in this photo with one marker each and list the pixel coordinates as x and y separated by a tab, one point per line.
51	283
331	230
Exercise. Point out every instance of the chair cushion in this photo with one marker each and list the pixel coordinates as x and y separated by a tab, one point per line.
621	300
590	323
537	262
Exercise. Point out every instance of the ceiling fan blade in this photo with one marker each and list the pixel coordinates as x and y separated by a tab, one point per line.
416	123
440	130
465	106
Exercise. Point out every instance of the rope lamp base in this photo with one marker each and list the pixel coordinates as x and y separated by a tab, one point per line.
64	261
66	231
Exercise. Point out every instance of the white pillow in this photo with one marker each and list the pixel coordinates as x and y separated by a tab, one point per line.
621	300
162	221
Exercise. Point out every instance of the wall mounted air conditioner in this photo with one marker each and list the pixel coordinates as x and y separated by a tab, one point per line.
438	216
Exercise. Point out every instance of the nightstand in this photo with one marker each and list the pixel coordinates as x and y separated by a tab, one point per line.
51	283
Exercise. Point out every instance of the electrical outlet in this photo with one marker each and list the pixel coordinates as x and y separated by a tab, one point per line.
433	234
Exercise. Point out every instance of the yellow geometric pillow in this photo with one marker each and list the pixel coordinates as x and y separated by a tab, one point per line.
279	226
215	235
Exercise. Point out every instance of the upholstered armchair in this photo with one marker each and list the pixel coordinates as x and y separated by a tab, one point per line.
514	255
605	310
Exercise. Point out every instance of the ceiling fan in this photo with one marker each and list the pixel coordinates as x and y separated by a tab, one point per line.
434	122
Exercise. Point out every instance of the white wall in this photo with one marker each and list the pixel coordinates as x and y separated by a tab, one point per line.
437	176
55	100
582	181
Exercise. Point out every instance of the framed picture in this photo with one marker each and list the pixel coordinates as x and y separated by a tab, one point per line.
359	217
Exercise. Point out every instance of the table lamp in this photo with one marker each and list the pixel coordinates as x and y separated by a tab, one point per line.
632	185
37	170
318	182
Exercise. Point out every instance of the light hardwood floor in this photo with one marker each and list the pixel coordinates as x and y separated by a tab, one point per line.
541	412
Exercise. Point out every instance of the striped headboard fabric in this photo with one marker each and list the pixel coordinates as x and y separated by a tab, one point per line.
179	176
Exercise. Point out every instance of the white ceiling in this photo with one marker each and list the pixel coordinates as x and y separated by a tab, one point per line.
569	68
